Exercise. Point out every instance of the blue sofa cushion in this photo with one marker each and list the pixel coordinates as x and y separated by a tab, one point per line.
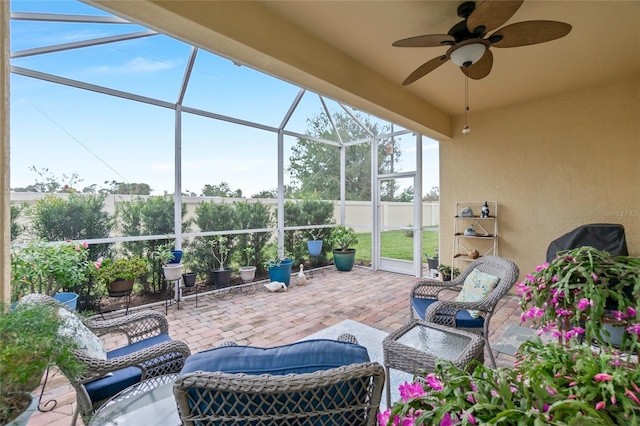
108	386
300	357
463	318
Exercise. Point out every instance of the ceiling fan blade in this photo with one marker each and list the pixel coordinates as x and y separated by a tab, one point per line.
430	40
529	32
490	14
481	68
425	69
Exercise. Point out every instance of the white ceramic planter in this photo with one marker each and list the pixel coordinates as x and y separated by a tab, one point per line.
172	271
247	273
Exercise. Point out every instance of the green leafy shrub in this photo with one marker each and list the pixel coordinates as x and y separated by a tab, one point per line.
342	238
124	268
39	267
29	342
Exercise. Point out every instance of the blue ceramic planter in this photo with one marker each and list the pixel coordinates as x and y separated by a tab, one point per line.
177	256
69	299
315	247
281	273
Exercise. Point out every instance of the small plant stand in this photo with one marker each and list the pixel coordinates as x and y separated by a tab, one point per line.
117	294
315	261
178	289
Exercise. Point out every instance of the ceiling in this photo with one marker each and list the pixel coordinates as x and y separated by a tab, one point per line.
604	45
343	49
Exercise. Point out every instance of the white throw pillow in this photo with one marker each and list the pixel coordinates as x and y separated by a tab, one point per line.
476	286
85	339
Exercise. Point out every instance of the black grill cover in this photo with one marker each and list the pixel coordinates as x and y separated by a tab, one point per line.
602	236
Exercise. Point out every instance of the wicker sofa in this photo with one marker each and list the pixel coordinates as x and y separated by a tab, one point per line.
318	382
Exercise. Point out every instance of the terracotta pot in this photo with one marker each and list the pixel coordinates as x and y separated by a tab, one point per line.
120	286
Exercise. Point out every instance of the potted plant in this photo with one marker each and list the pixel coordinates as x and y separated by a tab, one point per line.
29	343
248	272
433	260
587	294
548	385
447	272
342	238
279	267
314	244
220	251
51	269
119	274
172	271
189	278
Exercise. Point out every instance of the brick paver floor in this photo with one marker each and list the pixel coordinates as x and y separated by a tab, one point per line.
377	299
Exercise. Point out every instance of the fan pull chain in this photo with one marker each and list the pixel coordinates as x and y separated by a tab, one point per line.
466	129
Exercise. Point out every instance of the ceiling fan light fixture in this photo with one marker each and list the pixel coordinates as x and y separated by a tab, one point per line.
467	55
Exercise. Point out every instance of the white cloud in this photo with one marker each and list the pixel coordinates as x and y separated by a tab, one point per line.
134	66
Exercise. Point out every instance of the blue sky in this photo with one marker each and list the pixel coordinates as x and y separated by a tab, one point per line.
104	138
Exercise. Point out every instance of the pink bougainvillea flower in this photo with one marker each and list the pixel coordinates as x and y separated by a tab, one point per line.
634	329
542	267
556	334
471	419
600	405
447	420
433	381
578	330
77	247
554	279
584	303
632	395
594	276
564	312
631	312
410	390
613	400
619	315
551	391
97	264
602	377
534	312
616	362
85	244
530	278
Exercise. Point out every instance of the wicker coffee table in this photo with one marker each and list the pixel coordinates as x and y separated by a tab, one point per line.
418	345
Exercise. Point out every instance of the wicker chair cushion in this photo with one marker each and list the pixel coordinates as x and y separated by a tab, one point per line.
301	357
108	386
463	318
476	286
84	338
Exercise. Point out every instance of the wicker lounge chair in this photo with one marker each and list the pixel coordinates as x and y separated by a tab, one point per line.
150	353
318	382
426	304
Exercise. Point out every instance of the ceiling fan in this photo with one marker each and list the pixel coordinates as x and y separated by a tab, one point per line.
468	41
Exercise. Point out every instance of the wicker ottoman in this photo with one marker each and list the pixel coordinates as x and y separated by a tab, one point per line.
416	346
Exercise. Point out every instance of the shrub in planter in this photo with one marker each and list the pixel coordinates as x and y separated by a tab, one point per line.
119	274
39	267
29	342
342	238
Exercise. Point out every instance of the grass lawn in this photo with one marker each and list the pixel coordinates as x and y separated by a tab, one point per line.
396	245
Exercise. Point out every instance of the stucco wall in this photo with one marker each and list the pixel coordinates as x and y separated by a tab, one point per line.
552	165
